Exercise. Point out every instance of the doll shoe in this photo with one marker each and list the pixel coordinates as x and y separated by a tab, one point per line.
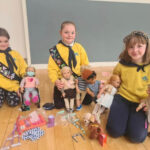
79	108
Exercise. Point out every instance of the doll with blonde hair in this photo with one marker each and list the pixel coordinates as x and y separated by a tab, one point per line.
69	89
106	98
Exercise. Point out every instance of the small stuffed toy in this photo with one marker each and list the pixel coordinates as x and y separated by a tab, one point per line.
88	118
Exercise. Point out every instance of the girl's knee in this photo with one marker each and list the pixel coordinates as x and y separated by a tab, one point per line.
114	131
137	138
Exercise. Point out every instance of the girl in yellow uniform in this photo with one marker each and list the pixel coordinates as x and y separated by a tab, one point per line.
134	71
66	53
12	69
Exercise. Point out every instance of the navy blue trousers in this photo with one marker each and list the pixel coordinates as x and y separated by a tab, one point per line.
124	120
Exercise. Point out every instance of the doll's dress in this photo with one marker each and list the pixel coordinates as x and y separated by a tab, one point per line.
107	98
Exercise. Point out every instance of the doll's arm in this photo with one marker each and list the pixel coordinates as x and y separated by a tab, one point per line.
90	92
36	82
77	87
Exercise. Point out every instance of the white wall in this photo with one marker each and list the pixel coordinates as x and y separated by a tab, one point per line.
11	18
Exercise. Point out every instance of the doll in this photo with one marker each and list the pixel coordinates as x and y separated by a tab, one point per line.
107	96
28	85
93	86
70	88
82	84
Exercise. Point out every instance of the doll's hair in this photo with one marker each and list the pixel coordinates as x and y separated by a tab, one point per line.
130	40
113	77
64	69
4	33
88	74
66	23
30	67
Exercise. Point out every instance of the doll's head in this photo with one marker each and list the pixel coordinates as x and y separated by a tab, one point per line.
89	76
136	48
66	72
30	71
4	39
114	81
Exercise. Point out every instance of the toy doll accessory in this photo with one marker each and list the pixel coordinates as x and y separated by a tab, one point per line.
30	73
48	106
71	55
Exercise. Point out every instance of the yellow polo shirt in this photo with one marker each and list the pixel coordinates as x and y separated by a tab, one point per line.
133	84
12	85
81	57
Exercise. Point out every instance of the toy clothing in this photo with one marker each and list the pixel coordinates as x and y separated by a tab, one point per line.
30	84
81	58
107	98
124	120
5	83
133	81
54	72
94	87
11	97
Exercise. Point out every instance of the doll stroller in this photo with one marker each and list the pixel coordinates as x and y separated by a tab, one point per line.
24	107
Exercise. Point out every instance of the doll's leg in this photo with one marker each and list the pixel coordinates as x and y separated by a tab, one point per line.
99	112
78	102
96	108
26	97
12	98
2	96
67	104
71	104
34	96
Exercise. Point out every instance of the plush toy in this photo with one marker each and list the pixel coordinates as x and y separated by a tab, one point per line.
88	118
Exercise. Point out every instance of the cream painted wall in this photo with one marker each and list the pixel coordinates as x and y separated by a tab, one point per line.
11	18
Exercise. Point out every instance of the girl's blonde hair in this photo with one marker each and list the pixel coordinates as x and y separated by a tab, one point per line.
113	77
130	40
66	23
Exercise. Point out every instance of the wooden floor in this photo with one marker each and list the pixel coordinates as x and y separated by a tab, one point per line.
59	137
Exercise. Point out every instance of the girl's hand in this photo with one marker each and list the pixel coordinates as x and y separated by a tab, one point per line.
59	84
99	95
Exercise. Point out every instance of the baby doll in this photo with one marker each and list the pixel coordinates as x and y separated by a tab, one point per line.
93	86
107	96
28	85
70	88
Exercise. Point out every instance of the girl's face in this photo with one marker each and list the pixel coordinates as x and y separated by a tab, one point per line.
68	33
4	43
136	52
